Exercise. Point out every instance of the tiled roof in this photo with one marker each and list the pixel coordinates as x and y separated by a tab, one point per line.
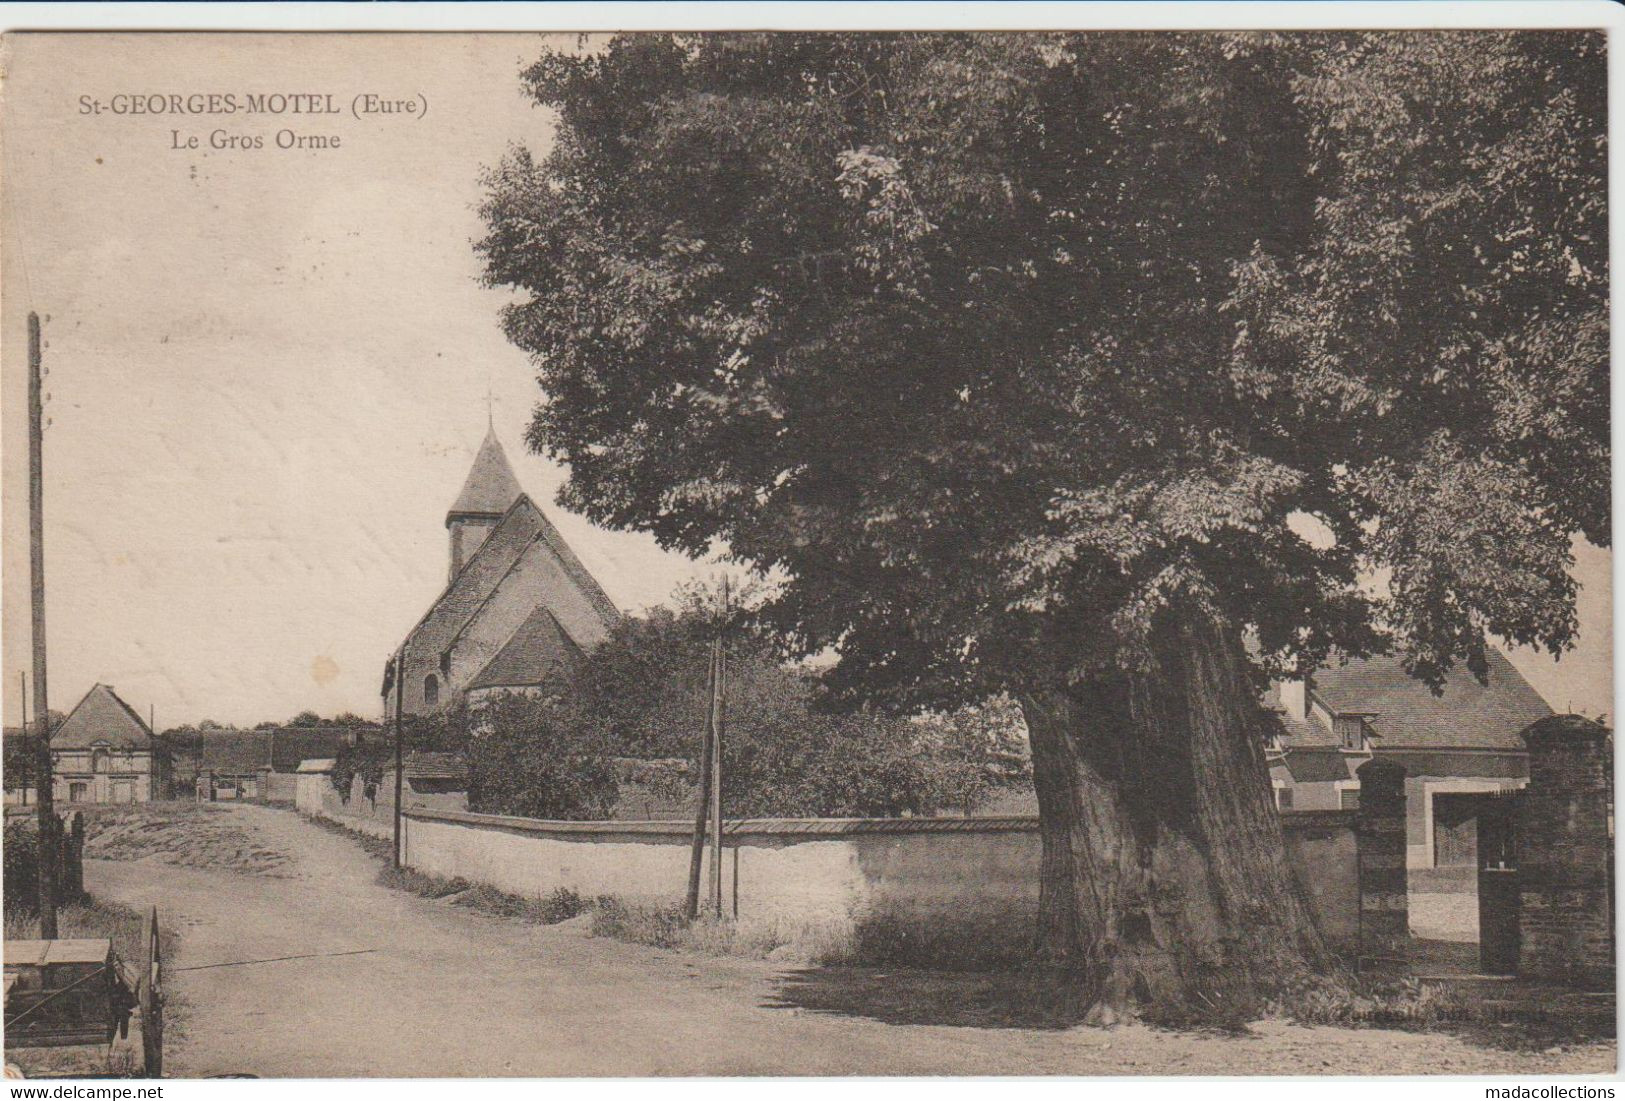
102	717
1467	715
281	748
515	534
292	744
1297	730
478	578
420	765
535	650
490	486
1309	766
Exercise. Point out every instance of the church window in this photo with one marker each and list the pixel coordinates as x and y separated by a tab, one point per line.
431	690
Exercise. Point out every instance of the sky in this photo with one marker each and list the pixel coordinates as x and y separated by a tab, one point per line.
269	370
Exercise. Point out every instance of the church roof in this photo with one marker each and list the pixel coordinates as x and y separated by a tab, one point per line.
102	717
490	487
536	649
522	530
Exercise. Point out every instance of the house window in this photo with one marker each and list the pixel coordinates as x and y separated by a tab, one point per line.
1283	798
1349	798
1351	730
99	761
431	690
76	792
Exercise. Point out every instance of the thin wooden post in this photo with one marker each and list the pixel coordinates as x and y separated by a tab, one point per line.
400	736
150	996
697	851
45	798
717	720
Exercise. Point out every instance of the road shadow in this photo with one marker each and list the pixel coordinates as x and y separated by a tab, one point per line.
1002	999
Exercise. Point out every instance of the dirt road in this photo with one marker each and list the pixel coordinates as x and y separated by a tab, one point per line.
398	986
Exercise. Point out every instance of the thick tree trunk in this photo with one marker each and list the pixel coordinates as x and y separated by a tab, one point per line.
1164	878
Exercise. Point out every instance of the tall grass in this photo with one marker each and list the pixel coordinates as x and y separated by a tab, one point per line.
877	940
550	909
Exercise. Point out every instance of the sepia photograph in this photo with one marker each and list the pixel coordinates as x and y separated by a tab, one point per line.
807	552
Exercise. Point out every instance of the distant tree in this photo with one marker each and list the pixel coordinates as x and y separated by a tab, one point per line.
643	693
1024	359
307	718
19	760
977	752
441	731
19	752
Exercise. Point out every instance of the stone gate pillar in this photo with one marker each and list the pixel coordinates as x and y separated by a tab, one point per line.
1565	854
1379	832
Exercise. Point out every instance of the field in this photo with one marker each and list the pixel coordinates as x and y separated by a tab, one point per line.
188	834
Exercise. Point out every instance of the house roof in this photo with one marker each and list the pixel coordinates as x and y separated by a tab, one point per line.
490	486
279	748
1308	766
102	717
421	765
316	765
539	647
1405	713
1297	730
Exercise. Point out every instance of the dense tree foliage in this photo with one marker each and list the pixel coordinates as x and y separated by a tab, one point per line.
642	693
531	757
1056	364
442	731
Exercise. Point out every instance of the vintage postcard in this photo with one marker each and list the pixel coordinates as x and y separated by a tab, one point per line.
807	552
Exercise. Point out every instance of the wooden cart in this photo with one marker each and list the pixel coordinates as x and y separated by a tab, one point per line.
69	1003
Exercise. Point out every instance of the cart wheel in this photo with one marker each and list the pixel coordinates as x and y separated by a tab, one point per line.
149	993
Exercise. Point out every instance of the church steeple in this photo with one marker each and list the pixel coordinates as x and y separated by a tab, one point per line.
487	492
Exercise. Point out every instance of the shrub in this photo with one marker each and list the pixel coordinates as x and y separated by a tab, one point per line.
656	926
534	758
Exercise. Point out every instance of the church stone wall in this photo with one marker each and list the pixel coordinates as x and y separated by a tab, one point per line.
539	578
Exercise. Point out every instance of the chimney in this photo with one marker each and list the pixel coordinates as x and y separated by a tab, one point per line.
1295	698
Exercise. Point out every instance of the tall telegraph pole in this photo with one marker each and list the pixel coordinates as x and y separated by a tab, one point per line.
400	683
44	797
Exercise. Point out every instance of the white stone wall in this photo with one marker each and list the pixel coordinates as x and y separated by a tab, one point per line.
825	872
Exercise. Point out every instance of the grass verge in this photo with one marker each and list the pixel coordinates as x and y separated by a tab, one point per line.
561	905
982	944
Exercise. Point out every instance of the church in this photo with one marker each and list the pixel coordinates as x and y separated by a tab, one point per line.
517	604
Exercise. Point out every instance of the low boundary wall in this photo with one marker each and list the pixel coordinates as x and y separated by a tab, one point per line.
825	871
363	817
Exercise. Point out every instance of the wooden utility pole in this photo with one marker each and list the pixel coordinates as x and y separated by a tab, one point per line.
697	852
717	696
400	736
44	798
22	698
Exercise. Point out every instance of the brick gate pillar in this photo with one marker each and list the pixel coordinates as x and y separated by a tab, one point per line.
1379	832
1565	854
